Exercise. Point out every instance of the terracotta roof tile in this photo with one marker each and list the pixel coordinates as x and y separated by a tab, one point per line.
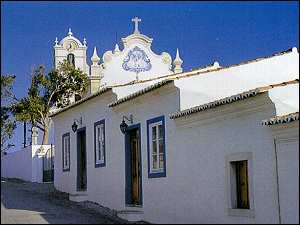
228	100
100	92
141	92
281	119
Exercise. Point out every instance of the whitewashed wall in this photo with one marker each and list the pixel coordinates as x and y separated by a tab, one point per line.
25	164
195	189
17	164
92	111
197	165
106	185
157	103
287	147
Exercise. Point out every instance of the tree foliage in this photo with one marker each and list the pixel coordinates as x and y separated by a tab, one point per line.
8	124
49	91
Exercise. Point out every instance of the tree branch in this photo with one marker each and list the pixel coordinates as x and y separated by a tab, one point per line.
51	96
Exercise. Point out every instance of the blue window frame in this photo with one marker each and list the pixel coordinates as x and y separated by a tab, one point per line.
156	145
66	152
99	143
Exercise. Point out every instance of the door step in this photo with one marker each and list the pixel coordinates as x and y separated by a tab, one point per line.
131	215
78	197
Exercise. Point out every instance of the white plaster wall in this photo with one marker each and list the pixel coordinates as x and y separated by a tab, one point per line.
17	164
196	181
25	164
106	185
233	80
91	111
194	190
157	103
288	172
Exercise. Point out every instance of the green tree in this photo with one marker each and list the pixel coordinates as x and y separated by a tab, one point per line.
48	92
8	124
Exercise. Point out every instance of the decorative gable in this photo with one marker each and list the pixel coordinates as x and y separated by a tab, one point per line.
136	61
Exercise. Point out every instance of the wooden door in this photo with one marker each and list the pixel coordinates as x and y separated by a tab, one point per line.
81	160
133	174
135	167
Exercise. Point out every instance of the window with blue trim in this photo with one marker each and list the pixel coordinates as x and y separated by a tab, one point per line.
99	142
66	152
156	147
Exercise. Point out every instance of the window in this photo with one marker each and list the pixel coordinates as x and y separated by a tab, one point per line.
66	152
239	184
156	147
99	142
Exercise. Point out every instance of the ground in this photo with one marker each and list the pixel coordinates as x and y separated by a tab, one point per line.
33	203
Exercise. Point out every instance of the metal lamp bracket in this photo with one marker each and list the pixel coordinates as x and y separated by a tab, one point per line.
130	119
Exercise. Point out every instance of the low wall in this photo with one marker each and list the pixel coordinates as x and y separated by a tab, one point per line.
17	164
25	164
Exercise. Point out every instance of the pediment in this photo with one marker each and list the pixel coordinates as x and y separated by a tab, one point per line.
137	38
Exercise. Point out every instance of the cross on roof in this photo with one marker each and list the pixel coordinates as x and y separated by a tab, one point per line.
136	21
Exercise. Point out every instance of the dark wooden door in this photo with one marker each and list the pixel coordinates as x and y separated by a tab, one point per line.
135	168
81	160
133	189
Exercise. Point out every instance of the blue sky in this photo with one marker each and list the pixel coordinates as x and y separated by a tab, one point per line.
204	32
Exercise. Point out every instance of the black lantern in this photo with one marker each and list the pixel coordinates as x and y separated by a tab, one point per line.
74	127
123	125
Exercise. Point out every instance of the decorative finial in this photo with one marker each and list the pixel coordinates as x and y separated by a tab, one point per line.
84	41
177	63
70	32
136	21
95	58
178	60
116	49
56	41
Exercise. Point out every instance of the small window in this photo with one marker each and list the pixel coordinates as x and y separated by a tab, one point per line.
239	174
241	182
156	147
66	152
99	142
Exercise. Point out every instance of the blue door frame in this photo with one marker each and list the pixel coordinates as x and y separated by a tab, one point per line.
128	178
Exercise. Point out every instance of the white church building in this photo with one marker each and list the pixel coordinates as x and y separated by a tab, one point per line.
211	145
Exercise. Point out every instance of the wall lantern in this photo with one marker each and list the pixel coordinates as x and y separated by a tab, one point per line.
123	125
75	126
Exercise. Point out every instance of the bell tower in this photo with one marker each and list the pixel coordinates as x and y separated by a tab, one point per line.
71	49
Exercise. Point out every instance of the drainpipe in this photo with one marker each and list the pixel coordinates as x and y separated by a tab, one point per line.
277	180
